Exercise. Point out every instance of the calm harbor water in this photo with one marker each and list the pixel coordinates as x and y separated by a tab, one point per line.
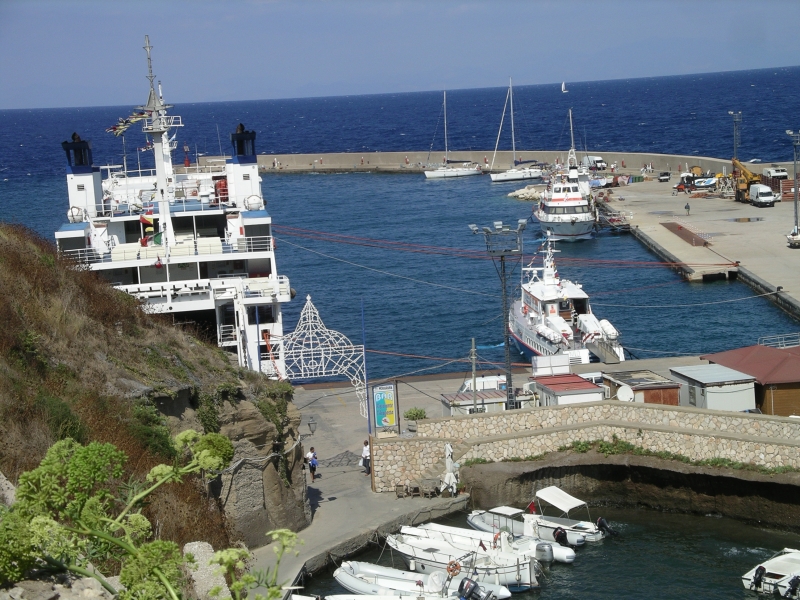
657	555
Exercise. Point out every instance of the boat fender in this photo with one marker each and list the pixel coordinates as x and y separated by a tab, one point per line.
496	537
757	577
524	309
453	568
603	526
792	587
560	536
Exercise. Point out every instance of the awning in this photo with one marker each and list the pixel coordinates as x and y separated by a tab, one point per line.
506	511
558	498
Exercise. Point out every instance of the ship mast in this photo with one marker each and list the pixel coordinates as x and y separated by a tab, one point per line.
572	160
157	124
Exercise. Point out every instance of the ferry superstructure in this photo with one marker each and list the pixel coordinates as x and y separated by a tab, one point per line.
194	242
553	316
566	212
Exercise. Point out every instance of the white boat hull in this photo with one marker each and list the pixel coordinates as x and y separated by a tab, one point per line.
517	175
545	526
778	573
446	172
370	579
568	231
518	575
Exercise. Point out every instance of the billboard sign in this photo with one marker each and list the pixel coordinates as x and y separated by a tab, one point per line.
384	401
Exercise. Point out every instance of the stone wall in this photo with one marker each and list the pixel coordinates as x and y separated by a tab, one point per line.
696	433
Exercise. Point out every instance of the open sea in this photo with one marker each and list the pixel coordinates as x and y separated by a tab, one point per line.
422	305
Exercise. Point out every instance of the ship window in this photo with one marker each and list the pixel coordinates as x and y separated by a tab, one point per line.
557	190
563	305
246	176
81	187
574	188
264	315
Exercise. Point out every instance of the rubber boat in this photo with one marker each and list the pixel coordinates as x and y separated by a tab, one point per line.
425	555
366	578
489	523
525	545
554	528
779	574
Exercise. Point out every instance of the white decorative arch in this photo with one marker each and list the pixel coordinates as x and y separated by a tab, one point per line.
312	351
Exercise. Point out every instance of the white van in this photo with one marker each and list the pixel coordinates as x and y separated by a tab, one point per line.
776	172
761	195
595	162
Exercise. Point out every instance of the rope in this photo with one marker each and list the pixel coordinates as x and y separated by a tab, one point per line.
686	305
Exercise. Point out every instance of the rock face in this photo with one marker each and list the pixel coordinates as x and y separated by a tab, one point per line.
254	495
205	577
7	491
80	589
642	481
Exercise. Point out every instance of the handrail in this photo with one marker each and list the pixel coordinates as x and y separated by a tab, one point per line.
785	340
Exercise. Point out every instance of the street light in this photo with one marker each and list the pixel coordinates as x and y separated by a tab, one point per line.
737	121
502	241
312	427
794	236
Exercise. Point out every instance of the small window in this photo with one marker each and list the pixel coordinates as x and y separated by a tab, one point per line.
246	176
81	187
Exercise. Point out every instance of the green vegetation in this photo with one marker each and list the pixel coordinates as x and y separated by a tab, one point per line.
73	512
273	402
415	414
475	461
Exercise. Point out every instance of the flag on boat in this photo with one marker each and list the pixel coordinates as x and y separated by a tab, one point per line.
147	220
152	240
481	545
531	508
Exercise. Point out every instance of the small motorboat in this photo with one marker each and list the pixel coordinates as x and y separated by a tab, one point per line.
548	527
370	579
424	555
779	574
526	545
468	589
507	518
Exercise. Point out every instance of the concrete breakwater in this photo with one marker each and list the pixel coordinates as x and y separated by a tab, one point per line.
695	433
642	482
417	161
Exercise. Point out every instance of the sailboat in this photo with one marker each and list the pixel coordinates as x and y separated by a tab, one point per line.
564	89
446	170
513	174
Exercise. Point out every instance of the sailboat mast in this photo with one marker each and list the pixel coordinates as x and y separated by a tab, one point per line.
446	158
513	141
571	135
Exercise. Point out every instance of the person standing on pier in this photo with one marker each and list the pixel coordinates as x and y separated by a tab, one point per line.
365	455
311	458
687	207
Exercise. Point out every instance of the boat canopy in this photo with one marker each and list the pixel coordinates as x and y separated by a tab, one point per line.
559	498
506	511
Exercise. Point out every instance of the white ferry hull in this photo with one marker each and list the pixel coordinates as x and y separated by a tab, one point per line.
517	175
446	172
567	231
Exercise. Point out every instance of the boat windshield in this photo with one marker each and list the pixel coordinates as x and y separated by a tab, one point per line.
565	210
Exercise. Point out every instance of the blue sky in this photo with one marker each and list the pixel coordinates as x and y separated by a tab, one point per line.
89	53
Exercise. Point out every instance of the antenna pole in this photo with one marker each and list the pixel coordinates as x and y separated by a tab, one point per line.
473	356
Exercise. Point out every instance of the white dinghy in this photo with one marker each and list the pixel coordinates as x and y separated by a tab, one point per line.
524	545
552	527
467	590
507	518
779	574
372	580
424	555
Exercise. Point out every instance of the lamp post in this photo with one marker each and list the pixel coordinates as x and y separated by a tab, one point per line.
737	121
312	427
502	241
795	142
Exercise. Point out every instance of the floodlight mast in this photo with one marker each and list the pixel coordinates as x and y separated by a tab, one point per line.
502	241
795	142
737	123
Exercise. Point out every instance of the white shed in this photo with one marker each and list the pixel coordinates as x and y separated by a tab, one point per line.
715	387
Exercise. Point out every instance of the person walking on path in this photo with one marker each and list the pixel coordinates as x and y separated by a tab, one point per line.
365	455
687	207
311	458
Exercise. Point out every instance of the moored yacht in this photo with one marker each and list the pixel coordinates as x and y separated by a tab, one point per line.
553	316
514	173
566	211
194	242
447	170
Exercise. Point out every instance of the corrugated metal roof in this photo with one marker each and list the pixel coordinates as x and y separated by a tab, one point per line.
493	395
642	380
768	365
713	374
569	382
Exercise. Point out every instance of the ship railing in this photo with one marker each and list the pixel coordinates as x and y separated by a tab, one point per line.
226	334
161	122
267	287
133	206
83	255
786	340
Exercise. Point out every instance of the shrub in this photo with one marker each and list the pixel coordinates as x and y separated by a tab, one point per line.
415	414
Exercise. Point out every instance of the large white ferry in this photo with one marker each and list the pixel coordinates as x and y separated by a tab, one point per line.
194	242
553	316
566	211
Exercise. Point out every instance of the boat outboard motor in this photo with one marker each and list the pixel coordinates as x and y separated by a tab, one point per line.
757	577
469	590
792	586
544	552
603	526
560	536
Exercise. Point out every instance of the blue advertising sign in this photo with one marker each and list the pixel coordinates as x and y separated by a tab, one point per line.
383	398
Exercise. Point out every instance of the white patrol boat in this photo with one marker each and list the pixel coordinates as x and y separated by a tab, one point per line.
194	242
553	316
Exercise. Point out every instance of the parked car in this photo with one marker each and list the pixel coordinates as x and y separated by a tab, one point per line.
664	176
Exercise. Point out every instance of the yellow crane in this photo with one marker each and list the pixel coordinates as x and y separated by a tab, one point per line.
744	179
